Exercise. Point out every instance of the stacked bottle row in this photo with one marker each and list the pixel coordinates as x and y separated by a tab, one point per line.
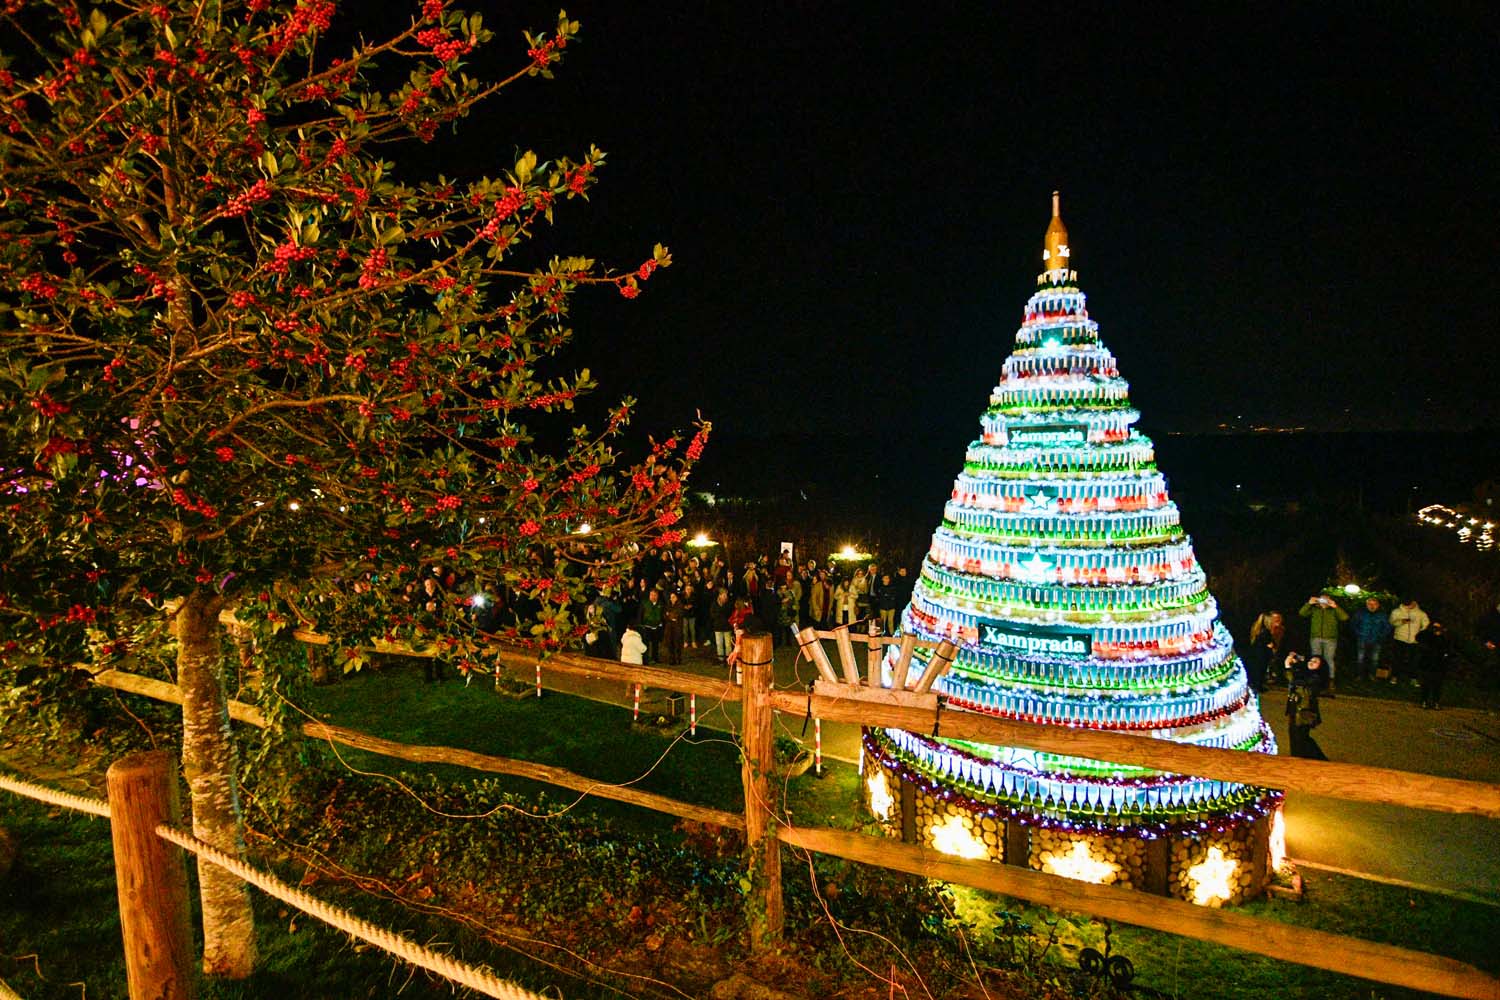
1081	566
1063	795
1208	664
1129	711
1095	363
1083	394
1068	333
1072	495
1134	454
1157	631
1040	522
981	593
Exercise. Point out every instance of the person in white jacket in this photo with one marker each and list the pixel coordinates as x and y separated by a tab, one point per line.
632	647
1407	622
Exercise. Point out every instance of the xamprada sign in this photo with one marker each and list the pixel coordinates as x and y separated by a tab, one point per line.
1048	434
1034	640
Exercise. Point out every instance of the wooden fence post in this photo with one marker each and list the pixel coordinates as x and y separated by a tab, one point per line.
762	849
151	877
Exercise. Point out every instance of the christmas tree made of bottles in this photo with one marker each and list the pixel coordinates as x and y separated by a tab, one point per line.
1064	576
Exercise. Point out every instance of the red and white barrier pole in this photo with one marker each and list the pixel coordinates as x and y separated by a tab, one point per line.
817	746
693	714
635	705
539	678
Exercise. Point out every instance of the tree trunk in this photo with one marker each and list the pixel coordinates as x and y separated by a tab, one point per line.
208	762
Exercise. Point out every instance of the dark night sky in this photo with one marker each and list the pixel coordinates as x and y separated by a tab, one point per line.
1286	214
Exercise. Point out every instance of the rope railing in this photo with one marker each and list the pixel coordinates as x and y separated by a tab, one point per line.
388	941
404	948
56	797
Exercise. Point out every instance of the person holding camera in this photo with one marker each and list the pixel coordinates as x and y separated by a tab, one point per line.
1305	681
1324	616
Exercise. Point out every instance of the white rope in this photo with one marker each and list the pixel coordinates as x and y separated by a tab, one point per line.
6	993
42	793
404	948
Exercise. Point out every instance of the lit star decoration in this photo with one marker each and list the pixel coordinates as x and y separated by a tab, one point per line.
1213	878
1036	568
882	803
1278	839
1040	502
951	837
1021	759
1081	865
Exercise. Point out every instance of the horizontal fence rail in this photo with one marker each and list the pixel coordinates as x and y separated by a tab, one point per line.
1350	782
841	703
1333	952
419	754
1319	949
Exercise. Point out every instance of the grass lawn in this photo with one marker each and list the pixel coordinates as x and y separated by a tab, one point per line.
588	737
60	931
598	740
59	902
60	926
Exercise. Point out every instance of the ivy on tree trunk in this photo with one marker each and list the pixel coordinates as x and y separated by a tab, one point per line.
208	763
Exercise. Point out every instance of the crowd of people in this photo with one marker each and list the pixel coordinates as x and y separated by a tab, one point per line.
1397	645
680	604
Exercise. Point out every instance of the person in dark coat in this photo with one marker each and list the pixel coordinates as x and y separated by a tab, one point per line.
1267	638
1372	627
612	611
887	600
1306	677
650	619
672	628
1437	655
767	608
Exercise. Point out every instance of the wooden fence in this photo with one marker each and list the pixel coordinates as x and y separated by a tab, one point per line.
144	813
764	825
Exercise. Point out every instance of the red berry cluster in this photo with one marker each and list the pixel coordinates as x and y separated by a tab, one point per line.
375	263
76	614
310	15
286	254
38	285
49	407
579	179
695	446
182	498
443	45
71	67
243	202
546	53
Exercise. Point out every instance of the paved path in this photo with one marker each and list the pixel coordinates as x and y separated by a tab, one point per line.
1455	853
